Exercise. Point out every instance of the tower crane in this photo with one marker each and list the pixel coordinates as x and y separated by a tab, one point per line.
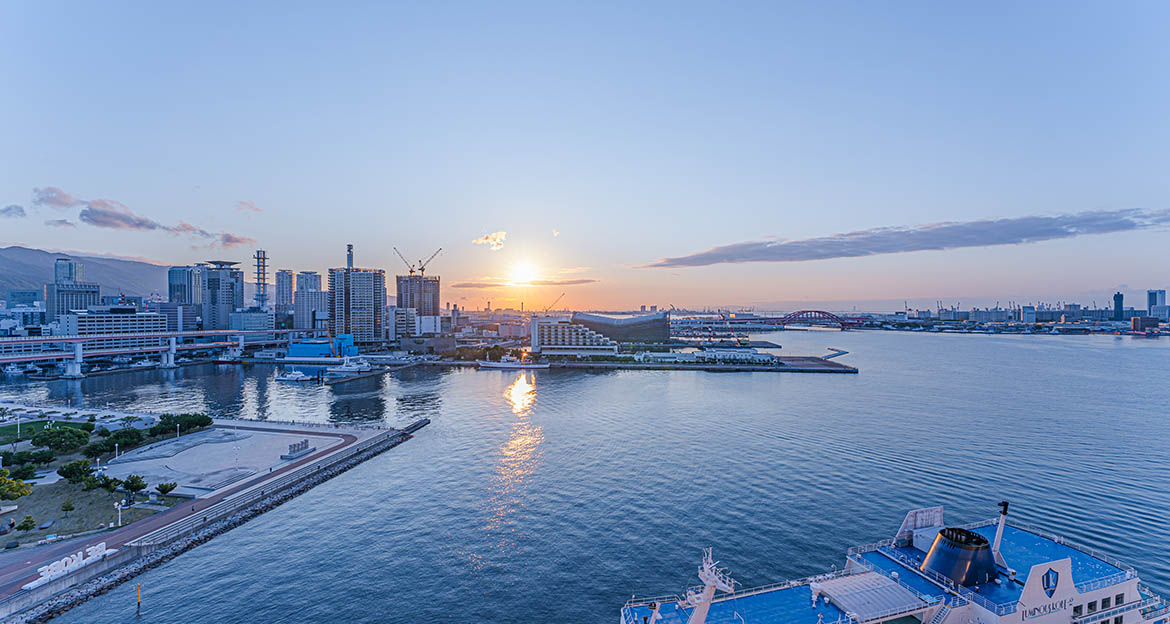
555	301
422	264
409	266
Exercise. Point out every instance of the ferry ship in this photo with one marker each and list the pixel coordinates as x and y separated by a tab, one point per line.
990	572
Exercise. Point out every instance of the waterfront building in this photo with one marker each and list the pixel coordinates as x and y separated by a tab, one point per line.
1118	310
357	302
311	309
1143	323
185	284
253	319
61	298
420	292
113	320
551	336
284	291
1028	314
401	323
22	297
1155	298
179	316
67	271
1161	312
653	327
223	293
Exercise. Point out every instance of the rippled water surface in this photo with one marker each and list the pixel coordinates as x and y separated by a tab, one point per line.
554	495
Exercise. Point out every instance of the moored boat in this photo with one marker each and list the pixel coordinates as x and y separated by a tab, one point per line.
510	362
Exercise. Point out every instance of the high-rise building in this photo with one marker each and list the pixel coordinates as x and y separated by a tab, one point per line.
67	271
185	284
308	281
311	309
284	291
253	319
420	292
261	259
1118	310
64	297
22	297
223	293
179	316
357	302
1155	298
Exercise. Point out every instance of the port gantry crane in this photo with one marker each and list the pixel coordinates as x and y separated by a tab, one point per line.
422	264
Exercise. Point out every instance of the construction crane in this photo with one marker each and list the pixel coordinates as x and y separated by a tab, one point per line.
555	301
409	266
422	264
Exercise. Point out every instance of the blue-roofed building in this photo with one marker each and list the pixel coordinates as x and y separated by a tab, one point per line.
989	572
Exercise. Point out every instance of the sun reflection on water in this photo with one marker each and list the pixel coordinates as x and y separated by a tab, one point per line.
519	457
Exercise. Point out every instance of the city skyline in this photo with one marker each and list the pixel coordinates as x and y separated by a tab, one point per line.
623	155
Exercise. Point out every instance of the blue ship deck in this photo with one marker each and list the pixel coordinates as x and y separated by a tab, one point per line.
778	606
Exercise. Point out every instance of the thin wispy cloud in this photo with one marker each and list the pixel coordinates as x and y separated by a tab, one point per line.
495	240
567	282
114	215
493	282
930	237
53	197
247	206
477	284
12	211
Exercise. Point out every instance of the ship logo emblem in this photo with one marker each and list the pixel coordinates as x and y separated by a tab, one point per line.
1050	579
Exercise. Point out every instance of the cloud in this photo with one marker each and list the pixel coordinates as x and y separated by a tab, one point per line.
934	236
568	282
580	269
54	197
227	239
60	223
495	239
114	215
494	282
247	206
556	233
12	211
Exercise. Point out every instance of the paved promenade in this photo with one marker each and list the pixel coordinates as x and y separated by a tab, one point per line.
20	567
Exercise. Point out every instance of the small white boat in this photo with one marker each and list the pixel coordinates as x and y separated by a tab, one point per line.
12	370
32	370
350	366
122	359
509	362
142	364
294	376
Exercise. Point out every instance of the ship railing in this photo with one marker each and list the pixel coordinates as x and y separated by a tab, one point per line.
1141	603
740	593
865	548
893	612
1159	608
929	599
1112	579
949	585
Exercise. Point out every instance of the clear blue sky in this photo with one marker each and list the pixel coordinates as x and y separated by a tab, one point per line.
637	131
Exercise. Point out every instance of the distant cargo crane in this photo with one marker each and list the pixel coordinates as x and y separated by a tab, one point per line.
422	264
555	301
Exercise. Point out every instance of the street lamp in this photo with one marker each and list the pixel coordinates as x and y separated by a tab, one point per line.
119	505
176	430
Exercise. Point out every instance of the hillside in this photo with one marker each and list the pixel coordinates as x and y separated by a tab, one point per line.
21	267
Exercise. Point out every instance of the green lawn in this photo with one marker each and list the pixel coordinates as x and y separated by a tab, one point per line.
27	429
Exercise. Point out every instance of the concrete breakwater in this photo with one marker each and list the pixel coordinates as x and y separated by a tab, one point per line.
154	549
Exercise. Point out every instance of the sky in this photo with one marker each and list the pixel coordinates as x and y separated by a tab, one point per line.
776	155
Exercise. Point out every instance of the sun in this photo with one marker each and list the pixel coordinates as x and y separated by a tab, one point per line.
522	273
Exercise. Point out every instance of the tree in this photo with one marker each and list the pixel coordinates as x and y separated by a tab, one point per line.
102	432
27	524
25	472
67	506
87	426
110	484
12	489
166	488
60	439
134	484
129	420
76	471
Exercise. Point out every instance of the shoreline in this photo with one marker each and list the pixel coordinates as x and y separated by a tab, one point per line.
143	557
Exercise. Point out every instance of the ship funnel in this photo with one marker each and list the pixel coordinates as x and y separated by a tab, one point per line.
962	556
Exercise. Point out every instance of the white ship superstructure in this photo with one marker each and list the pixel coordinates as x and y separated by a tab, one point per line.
990	572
